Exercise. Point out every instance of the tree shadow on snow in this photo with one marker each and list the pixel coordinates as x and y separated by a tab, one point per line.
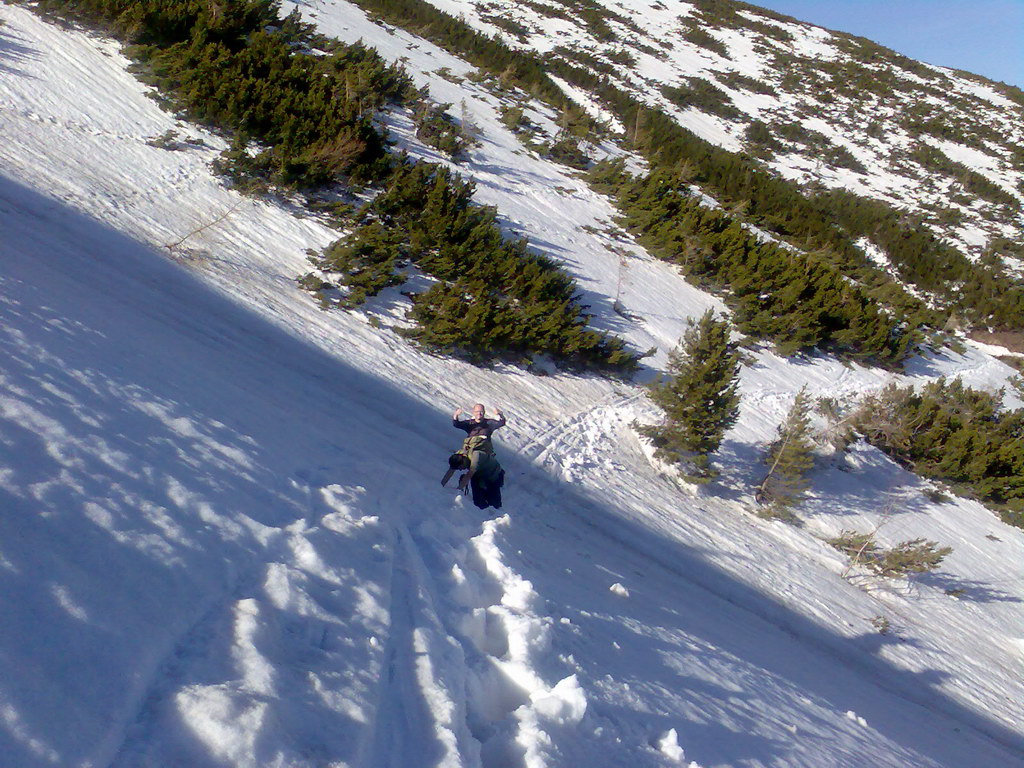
968	590
867	482
929	363
153	446
13	51
167	470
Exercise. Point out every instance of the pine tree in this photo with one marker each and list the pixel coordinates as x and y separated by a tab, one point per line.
789	459
699	398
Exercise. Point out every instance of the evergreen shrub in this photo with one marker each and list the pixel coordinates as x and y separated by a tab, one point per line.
436	128
494	299
567	151
699	397
789	458
950	432
907	557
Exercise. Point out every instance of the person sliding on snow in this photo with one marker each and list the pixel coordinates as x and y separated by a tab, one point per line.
479	429
485	476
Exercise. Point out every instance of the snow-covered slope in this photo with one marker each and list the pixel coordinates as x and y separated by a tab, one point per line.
224	542
840	110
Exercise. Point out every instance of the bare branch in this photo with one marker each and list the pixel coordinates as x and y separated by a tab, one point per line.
172	246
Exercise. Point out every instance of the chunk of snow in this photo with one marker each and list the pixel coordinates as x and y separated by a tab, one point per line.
566	703
619	590
857	718
669	746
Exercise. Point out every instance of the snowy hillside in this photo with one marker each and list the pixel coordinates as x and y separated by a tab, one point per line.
224	542
820	107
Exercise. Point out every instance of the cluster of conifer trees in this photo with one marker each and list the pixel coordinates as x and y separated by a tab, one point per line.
953	433
703	95
770	202
238	66
981	291
307	103
830	224
490	54
945	430
799	301
495	298
809	301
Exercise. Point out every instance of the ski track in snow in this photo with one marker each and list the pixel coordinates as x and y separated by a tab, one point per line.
214	566
460	685
417	718
499	622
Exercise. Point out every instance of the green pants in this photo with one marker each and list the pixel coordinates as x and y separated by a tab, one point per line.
477	443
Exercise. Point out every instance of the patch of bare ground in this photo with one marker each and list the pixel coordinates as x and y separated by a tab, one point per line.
1013	341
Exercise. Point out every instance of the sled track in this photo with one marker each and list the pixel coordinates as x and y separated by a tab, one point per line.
460	674
418	723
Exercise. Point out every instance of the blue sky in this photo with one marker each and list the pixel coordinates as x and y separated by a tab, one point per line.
981	36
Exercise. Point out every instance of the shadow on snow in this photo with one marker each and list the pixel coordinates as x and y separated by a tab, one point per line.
133	387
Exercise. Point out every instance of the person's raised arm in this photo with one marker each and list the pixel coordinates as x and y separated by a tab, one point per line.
501	418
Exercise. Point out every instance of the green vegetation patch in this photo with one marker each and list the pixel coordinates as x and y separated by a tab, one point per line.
799	301
583	58
741	82
495	299
981	292
238	66
436	128
760	140
455	35
953	433
772	203
697	35
508	25
595	17
546	10
701	94
904	559
936	161
724	14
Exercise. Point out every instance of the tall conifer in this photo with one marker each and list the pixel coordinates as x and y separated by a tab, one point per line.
699	397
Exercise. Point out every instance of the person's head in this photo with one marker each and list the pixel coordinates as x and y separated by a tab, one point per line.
479	411
458	461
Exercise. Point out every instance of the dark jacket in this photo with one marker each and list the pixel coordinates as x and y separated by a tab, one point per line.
484	427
